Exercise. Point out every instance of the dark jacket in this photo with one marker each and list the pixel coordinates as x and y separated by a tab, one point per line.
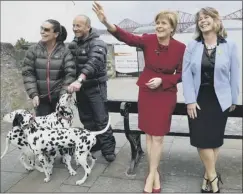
41	75
91	57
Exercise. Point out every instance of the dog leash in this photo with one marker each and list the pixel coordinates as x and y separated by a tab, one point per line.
59	115
57	86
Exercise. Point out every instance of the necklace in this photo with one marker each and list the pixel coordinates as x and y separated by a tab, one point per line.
210	47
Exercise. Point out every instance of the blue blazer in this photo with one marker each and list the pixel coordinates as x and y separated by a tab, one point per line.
226	73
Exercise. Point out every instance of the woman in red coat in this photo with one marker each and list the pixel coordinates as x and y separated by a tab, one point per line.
157	83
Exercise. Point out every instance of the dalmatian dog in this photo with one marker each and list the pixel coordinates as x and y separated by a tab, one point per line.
17	138
45	141
62	117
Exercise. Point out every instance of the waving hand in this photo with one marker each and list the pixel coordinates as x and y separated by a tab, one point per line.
98	9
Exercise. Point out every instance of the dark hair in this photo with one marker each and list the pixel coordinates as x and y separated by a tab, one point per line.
57	27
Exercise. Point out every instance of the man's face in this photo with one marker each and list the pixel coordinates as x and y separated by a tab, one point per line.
80	27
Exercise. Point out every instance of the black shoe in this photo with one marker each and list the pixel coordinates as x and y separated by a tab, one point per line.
206	188
110	157
219	180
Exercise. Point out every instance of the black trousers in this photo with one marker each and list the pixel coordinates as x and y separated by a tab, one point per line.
46	107
93	114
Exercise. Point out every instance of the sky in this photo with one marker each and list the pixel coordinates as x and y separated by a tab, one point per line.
24	18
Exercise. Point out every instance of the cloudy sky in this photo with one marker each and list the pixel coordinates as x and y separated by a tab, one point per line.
23	18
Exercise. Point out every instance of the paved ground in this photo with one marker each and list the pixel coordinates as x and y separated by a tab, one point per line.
181	168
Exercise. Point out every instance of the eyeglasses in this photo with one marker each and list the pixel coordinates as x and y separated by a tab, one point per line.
45	29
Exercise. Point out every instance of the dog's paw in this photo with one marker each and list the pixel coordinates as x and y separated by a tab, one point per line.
46	180
72	172
29	168
80	182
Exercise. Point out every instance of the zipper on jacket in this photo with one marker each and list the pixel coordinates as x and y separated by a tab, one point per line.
48	79
48	74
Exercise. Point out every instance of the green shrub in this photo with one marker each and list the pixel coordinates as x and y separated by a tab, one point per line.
20	43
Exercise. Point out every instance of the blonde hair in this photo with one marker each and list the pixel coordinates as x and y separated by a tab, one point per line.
218	25
171	16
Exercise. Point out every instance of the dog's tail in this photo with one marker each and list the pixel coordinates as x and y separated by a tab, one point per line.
102	131
6	148
10	116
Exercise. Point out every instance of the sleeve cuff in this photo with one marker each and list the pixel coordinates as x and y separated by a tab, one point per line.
84	71
33	95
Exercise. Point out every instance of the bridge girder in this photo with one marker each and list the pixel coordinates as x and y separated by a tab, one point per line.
185	20
237	15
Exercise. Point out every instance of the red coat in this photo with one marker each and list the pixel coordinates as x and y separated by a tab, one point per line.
155	107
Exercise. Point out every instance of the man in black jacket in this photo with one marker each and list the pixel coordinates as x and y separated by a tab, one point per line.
91	85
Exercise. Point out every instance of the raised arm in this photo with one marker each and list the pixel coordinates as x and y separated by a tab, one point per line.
126	37
28	73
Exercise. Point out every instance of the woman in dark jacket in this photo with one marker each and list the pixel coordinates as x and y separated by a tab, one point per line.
48	68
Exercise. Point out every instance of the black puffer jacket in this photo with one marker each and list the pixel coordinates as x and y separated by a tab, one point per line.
90	54
41	75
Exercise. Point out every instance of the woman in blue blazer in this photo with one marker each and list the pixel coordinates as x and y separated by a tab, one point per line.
210	80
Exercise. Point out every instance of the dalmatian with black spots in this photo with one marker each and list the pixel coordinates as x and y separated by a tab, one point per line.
45	141
62	117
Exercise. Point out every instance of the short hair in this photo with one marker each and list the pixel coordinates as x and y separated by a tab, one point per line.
88	20
171	16
213	13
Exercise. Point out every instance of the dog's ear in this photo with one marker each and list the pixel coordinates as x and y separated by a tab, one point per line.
18	120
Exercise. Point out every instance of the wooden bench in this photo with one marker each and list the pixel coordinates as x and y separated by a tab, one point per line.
134	135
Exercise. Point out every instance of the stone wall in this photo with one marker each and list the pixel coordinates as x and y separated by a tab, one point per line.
13	95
